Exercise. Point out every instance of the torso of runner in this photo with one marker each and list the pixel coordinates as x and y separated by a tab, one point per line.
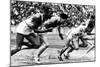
80	29
24	26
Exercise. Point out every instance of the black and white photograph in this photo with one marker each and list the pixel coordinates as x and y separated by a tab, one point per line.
44	33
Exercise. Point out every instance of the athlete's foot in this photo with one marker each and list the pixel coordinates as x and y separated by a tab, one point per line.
66	56
60	58
37	60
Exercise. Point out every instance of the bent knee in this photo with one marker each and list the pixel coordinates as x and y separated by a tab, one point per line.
45	45
17	48
76	47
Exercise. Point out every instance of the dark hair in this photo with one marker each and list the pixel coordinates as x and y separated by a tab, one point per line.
45	8
63	16
92	17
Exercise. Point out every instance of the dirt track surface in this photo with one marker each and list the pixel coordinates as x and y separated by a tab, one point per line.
25	56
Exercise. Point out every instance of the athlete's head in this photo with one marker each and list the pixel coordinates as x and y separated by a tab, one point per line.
46	10
63	16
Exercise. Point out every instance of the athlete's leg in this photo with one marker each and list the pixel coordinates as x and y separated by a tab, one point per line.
33	39
75	43
68	51
64	49
66	46
92	47
43	47
19	42
83	42
73	46
62	52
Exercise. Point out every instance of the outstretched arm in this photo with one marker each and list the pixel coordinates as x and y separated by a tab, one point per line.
42	31
60	34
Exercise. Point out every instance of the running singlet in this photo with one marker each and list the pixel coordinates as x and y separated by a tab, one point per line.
24	26
78	30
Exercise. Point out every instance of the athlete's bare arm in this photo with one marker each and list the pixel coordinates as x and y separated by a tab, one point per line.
59	32
43	31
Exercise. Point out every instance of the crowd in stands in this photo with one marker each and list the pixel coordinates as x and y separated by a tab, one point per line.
22	9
